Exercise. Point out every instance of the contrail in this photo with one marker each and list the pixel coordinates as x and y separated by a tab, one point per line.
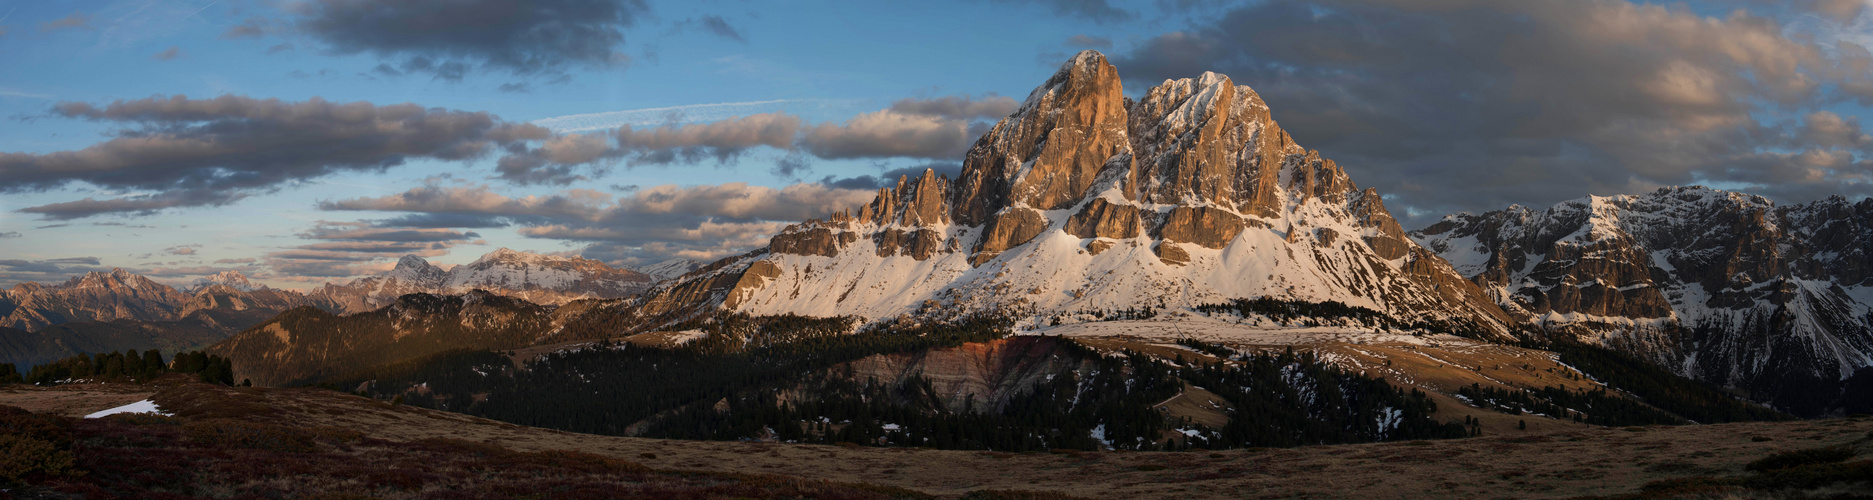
204	7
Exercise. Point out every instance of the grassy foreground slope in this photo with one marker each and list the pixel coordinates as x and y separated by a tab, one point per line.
446	448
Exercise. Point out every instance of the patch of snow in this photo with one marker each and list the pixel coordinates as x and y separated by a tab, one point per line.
144	406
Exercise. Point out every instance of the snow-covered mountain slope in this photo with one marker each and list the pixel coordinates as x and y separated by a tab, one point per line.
1083	201
541	279
1722	286
230	279
670	269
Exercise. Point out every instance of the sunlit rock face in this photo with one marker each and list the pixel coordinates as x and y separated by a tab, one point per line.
1083	200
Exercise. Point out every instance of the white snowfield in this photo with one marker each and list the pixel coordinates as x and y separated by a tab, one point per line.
144	406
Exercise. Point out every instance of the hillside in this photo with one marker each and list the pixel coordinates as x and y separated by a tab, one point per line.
1541	462
308	343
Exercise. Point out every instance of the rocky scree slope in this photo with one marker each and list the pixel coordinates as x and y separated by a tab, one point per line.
1083	200
1720	286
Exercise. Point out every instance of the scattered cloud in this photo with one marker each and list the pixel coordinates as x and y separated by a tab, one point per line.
1089	42
48	270
714	25
181	250
448	38
134	205
1098	11
651	224
77	20
10	234
888	133
990	107
186	152
345	249
169	54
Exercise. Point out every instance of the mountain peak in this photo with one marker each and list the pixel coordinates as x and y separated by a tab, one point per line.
1171	200
417	271
230	278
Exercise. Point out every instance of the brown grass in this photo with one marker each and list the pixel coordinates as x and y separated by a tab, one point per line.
1550	463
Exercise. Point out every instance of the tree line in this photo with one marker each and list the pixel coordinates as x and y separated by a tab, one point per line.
132	365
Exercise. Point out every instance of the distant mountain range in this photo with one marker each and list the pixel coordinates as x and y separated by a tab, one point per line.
541	279
118	310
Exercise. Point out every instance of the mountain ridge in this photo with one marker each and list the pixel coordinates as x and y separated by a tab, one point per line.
1724	287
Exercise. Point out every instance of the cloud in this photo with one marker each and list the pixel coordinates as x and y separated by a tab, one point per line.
1466	105
480	201
13	271
515	88
77	20
651	224
693	113
531	37
888	133
343	249
181	250
721	140
1089	42
136	205
1098	11
991	107
281	47
243	260
169	54
10	234
715	25
205	152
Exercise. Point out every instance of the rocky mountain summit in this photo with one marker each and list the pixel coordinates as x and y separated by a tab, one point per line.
536	278
230	279
1084	201
94	296
1724	287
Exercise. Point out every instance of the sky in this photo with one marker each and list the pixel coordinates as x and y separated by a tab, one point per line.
310	141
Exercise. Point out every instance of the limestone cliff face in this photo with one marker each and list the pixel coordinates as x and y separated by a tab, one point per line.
1725	287
1082	200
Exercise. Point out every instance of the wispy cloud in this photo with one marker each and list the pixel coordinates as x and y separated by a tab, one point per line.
6	92
690	113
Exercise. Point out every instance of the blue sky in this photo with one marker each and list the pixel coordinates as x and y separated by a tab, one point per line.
1490	126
